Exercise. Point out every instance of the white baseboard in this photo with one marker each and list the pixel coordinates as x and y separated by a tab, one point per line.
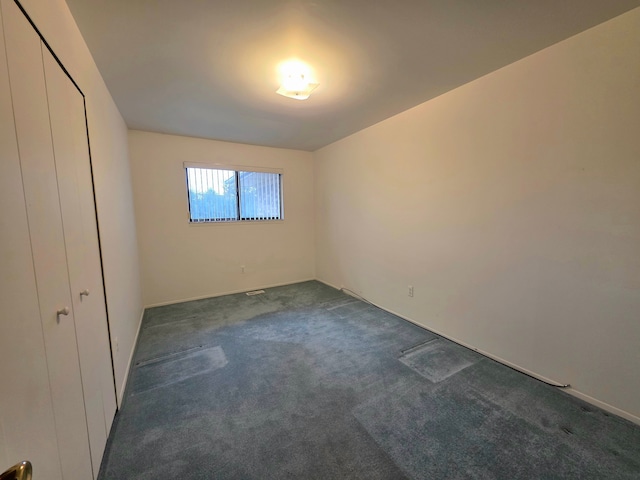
604	406
570	390
336	287
229	292
123	386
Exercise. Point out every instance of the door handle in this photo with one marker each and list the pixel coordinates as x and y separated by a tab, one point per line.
20	471
84	292
62	311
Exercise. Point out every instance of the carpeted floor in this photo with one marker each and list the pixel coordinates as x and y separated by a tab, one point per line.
305	382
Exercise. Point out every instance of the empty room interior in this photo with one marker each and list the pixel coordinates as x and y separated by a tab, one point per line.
320	239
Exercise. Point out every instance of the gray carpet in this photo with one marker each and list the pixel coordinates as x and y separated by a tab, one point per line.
305	382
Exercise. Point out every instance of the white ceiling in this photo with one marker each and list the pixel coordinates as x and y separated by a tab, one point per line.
208	68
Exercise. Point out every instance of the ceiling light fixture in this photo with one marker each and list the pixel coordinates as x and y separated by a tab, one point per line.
296	81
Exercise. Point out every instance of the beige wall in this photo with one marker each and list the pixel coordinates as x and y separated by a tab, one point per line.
512	205
180	261
108	139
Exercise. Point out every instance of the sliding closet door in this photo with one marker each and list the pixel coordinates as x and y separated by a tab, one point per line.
27	429
68	129
29	95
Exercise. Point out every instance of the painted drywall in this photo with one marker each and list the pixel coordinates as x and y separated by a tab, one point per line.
112	178
181	261
512	205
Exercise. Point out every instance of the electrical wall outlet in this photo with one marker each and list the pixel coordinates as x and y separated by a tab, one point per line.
411	290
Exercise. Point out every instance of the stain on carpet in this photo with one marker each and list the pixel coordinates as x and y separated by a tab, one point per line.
438	359
177	367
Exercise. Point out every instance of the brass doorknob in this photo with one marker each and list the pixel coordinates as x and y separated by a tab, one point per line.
20	471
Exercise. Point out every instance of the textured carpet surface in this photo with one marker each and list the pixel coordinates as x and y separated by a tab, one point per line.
305	382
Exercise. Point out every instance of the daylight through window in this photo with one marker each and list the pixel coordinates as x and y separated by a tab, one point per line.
220	195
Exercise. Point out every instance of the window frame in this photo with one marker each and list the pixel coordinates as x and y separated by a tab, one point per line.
237	169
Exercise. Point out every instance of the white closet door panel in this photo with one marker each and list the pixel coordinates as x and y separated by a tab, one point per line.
26	74
27	428
68	128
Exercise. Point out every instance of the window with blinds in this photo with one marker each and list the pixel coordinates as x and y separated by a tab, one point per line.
221	195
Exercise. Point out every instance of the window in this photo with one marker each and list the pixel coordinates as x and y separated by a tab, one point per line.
222	195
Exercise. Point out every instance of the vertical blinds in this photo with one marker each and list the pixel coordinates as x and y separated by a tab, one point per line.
259	195
219	195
